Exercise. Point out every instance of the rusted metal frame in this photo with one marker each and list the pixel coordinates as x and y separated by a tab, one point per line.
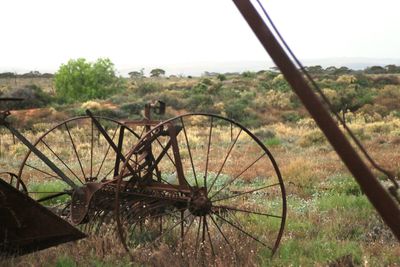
149	196
109	140
376	193
166	187
145	143
120	143
177	156
39	154
142	122
160	157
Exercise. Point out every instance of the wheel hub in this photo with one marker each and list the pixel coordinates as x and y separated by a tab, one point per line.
200	204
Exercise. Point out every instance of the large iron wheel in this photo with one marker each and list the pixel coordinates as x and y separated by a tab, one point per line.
82	153
224	191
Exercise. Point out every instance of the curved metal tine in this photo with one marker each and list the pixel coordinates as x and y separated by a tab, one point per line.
188	228
237	176
161	215
76	152
58	157
247	192
208	153
99	217
223	164
148	196
189	150
241	230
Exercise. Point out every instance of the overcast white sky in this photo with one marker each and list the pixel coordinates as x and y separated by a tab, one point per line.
42	34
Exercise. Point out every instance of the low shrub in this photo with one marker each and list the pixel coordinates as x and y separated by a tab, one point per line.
33	97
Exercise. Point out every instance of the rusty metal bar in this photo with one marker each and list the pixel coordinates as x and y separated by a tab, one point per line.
39	154
109	140
120	143
376	193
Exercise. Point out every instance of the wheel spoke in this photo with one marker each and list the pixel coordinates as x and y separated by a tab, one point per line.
237	176
76	152
198	235
209	237
55	154
190	153
208	153
42	171
247	192
203	237
188	228
241	230
247	211
220	231
166	151
223	164
170	229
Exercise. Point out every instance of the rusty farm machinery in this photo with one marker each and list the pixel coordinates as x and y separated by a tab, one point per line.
182	181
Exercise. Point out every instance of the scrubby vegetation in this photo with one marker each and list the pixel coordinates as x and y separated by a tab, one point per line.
253	98
330	221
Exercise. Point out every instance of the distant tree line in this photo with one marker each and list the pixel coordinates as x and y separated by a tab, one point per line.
332	70
155	73
31	74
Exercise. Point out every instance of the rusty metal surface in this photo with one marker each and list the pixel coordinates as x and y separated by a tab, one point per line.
26	226
376	193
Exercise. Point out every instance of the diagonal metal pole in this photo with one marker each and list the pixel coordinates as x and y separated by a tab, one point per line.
387	207
117	150
39	154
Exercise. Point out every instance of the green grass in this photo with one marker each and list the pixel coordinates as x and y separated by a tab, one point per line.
50	187
297	252
271	142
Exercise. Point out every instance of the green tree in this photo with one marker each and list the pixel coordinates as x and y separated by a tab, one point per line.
79	79
136	74
392	68
221	77
317	69
375	70
157	72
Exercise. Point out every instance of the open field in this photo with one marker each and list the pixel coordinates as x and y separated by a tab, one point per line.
329	220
